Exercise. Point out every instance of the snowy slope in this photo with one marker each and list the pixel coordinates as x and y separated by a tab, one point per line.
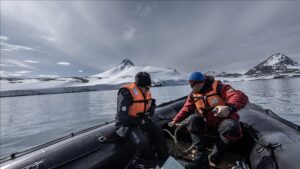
275	63
110	79
276	66
223	74
126	71
278	59
125	64
38	83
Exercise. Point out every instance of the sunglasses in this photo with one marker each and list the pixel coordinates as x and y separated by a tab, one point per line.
193	83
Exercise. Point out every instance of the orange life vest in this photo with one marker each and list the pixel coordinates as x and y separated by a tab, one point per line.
141	103
206	102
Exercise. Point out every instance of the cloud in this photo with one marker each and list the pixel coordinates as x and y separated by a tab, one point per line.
129	33
14	74
9	50
143	10
185	35
31	61
80	71
5	65
64	63
9	74
23	72
18	63
3	38
12	47
48	76
48	38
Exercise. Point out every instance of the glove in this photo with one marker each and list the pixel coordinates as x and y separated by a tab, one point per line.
221	111
122	131
151	109
143	122
140	115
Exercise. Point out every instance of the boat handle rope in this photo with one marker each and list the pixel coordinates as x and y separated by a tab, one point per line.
102	139
290	124
174	137
270	147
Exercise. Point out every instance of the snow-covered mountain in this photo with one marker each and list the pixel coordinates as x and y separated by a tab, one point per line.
211	73
276	66
110	79
276	63
125	64
126	70
222	74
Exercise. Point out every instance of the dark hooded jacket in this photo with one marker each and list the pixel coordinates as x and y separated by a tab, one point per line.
122	117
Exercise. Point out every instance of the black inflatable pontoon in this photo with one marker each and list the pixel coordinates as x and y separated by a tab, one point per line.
269	142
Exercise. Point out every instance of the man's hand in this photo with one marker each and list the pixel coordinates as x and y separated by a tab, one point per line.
140	115
221	111
143	121
172	124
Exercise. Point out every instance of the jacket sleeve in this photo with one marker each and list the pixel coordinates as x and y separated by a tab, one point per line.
124	101
187	109
152	107
235	99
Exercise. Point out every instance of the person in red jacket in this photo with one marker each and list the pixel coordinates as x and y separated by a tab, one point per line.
211	105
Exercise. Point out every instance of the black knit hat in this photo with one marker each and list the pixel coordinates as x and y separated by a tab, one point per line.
142	79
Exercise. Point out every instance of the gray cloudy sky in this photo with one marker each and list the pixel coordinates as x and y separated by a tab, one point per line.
81	38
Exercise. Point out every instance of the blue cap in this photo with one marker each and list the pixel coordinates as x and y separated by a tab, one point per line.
196	76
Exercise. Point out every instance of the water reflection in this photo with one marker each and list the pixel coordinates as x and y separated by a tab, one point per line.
32	120
280	95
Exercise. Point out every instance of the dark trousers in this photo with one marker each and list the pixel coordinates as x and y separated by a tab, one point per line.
229	130
139	136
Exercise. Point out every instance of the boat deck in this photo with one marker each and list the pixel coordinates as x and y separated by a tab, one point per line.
178	150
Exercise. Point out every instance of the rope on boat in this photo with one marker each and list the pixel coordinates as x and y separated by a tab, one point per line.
270	147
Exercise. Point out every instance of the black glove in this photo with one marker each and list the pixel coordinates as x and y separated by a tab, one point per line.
153	103
122	131
146	115
140	115
151	110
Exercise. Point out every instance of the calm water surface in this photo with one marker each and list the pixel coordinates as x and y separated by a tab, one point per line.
31	120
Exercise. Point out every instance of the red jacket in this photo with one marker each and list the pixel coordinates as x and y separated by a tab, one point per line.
233	98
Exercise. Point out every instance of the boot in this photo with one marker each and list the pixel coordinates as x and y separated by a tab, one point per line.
200	160
217	152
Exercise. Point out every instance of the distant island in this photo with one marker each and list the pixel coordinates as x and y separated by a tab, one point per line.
276	66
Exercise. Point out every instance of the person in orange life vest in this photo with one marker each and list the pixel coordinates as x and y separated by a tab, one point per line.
215	105
135	106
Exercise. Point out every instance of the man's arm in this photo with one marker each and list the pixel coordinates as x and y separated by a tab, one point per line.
187	109
152	108
235	99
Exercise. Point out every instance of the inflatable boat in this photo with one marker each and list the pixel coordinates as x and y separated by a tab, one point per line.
269	142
